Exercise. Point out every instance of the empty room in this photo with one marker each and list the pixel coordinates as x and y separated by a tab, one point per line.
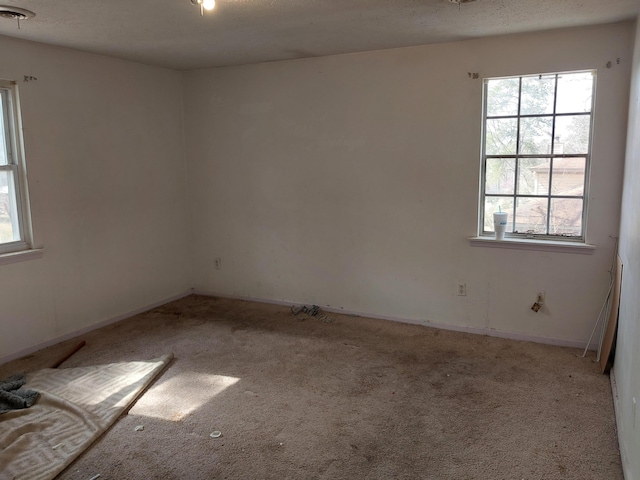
260	239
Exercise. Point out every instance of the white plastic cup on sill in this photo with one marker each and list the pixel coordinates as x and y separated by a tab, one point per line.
500	224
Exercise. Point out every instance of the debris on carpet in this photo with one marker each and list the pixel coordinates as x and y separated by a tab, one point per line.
310	310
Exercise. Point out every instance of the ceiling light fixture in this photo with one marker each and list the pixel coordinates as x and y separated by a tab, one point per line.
204	5
15	13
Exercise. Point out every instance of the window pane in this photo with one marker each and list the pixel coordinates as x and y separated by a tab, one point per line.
533	176
574	92
500	175
3	139
537	94
502	97
531	215
535	135
572	134
566	216
568	176
549	118
495	204
9	231
501	136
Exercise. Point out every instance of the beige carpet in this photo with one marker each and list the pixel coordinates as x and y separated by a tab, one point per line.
75	406
296	397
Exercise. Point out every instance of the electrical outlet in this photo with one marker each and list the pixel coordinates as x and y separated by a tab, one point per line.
461	290
540	299
218	263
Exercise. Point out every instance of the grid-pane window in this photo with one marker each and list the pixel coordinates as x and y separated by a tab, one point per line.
536	152
14	231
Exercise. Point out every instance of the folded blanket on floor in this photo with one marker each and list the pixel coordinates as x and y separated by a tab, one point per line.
13	397
75	406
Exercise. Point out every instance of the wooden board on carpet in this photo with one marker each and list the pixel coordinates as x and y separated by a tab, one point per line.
612	321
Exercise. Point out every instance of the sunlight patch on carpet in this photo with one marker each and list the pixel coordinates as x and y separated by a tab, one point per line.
177	397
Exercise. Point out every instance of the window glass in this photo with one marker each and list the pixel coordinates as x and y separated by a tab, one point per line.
531	215
575	92
537	136
502	136
3	126
572	134
537	94
8	214
503	97
500	175
495	204
568	176
566	216
14	215
533	176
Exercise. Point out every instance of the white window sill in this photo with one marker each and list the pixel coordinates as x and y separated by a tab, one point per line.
21	256
533	244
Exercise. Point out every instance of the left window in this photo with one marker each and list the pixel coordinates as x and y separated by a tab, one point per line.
15	223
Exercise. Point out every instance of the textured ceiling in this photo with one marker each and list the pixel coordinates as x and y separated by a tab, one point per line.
171	33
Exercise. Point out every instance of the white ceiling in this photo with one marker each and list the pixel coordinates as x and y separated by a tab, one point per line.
171	33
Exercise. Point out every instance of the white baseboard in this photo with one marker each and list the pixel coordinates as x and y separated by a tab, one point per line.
560	342
624	458
426	323
95	326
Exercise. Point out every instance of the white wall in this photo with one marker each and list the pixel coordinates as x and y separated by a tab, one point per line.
627	361
351	181
105	161
347	181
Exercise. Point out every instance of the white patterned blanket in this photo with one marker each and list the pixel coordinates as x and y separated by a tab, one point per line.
75	406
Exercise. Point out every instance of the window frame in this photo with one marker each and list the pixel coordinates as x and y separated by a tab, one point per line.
14	150
574	239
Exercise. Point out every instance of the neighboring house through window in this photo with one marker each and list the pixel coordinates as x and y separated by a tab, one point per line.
536	154
15	228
